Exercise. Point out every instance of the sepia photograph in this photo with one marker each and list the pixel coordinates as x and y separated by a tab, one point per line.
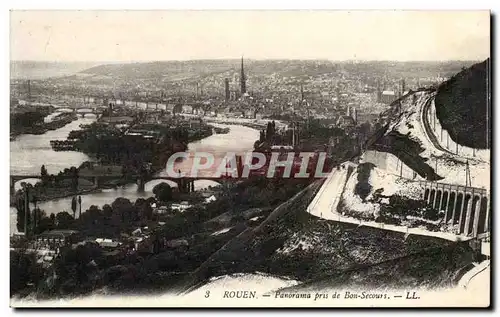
244	158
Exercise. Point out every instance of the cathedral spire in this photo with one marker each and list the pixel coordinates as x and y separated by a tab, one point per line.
243	79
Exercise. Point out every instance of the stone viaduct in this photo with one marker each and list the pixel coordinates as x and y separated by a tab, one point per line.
468	208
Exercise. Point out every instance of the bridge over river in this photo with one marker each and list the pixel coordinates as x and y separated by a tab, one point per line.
82	110
185	184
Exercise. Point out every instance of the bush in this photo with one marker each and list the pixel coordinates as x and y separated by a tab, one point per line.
363	187
163	192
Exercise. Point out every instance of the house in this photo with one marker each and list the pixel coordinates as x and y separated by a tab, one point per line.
108	244
344	96
181	207
281	147
54	239
210	199
170	108
250	113
177	243
334	140
161	210
237	114
116	120
199	111
388	96
143	244
345	122
137	232
195	123
187	109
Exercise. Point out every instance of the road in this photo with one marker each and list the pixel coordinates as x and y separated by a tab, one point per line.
427	127
324	205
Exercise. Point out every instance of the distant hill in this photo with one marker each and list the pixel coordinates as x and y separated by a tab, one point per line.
42	70
462	106
195	69
180	70
152	70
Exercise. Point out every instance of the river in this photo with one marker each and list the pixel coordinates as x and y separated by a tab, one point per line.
29	152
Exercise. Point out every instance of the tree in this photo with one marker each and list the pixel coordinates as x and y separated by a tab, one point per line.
73	171
144	208
75	270
21	206
23	269
64	220
107	211
124	171
34	200
80	205
364	129
146	211
44	223
124	209
269	131
38	215
43	173
92	215
52	219
73	206
163	192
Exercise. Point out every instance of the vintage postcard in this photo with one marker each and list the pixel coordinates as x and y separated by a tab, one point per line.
250	159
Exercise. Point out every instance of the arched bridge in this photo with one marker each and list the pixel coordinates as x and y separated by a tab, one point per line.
82	110
185	184
467	208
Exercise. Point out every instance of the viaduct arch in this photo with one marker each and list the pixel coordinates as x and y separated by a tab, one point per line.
467	208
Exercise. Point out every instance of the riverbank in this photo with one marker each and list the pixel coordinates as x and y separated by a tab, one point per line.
58	195
252	125
61	121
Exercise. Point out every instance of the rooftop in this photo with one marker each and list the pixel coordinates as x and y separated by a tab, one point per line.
116	119
59	232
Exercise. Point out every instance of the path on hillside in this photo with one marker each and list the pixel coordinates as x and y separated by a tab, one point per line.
477	277
431	136
324	205
427	127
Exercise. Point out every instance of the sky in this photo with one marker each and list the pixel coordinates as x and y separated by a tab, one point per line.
128	36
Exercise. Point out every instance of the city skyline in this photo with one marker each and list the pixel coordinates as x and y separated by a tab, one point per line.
70	36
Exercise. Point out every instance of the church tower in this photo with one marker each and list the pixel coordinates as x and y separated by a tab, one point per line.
243	79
